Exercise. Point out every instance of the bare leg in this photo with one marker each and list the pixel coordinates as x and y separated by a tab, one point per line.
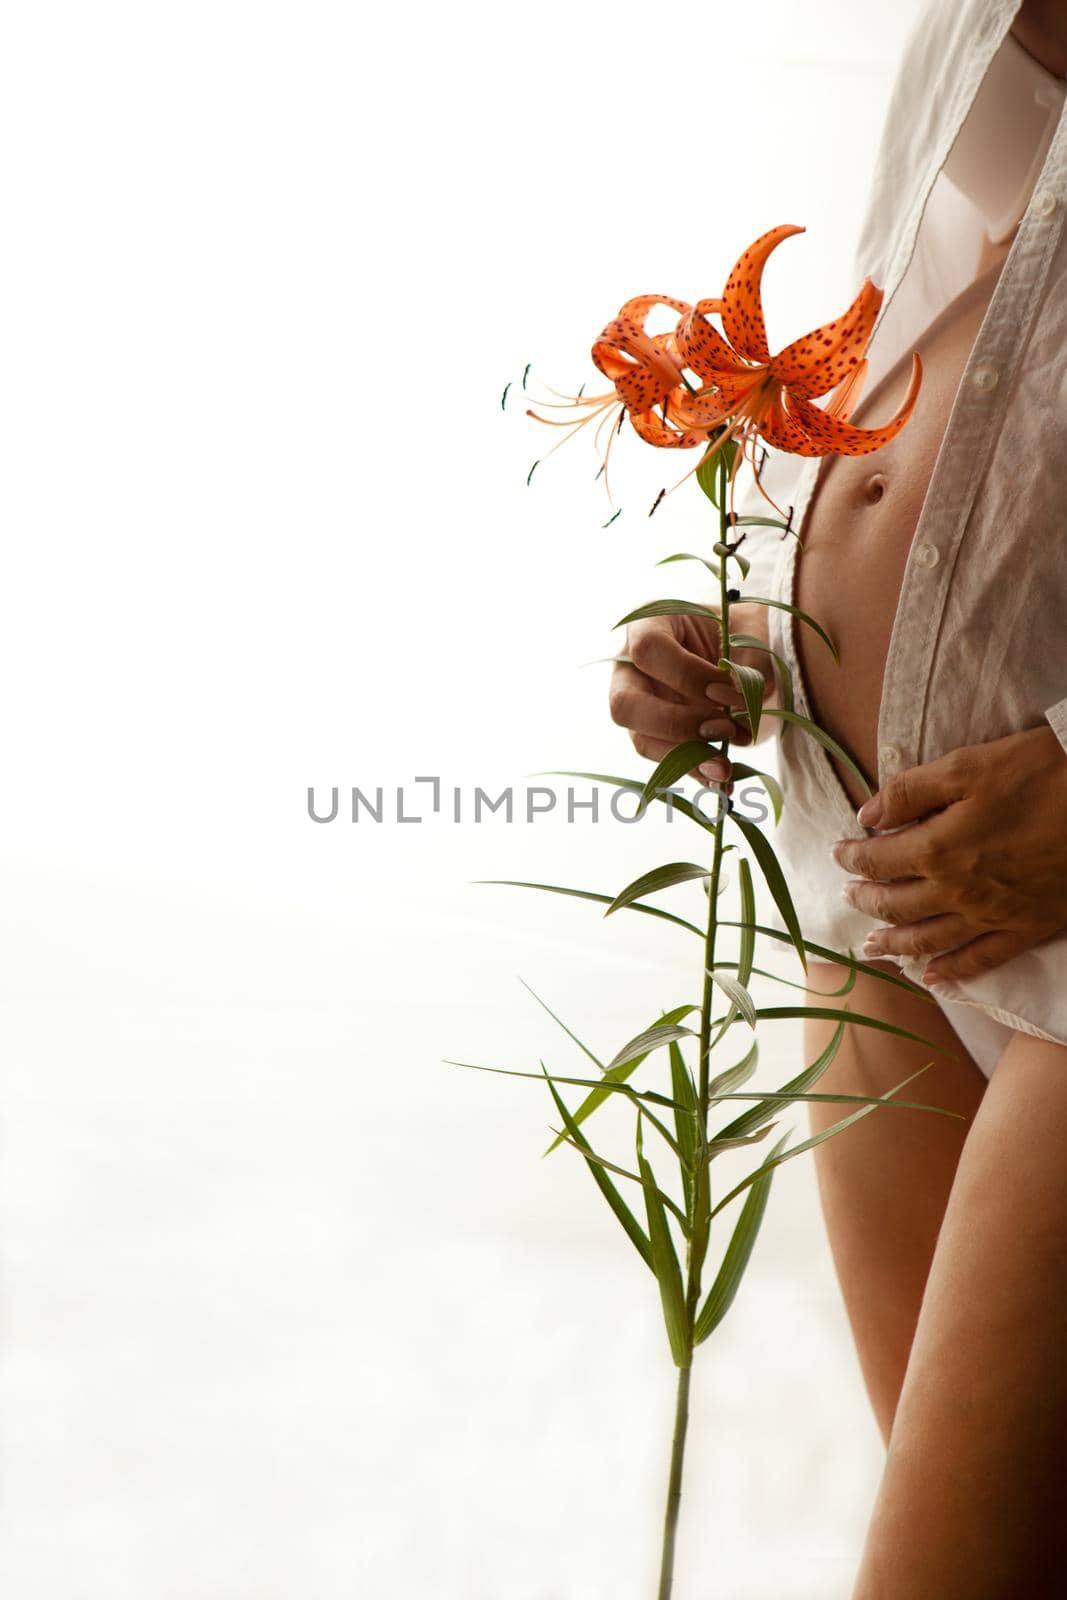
971	1505
884	1184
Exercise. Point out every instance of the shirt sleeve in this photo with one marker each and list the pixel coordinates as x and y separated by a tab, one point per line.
1057	720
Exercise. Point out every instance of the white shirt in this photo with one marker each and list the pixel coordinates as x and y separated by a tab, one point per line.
979	642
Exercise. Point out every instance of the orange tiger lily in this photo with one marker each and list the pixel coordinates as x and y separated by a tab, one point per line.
751	393
646	371
746	394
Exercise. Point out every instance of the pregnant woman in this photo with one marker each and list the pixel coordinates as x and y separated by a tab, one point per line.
939	568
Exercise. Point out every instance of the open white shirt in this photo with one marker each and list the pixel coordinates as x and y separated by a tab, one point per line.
979	642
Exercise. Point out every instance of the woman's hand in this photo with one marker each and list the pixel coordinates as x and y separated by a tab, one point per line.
978	869
673	690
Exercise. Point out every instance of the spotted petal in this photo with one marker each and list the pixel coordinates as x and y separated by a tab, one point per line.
831	433
818	362
703	348
653	430
782	431
742	308
708	410
643	371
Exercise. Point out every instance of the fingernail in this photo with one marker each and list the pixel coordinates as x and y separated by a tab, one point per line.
714	730
870	812
872	946
932	978
714	771
846	893
834	848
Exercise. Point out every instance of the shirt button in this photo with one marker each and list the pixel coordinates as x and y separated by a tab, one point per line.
1044	203
927	555
985	378
890	757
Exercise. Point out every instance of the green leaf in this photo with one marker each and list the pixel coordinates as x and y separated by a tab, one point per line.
756	1116
747	943
761	522
816	1139
741	770
685	555
638	786
669	608
717	1145
781	605
738	1253
750	682
831	1014
619	1074
664	1261
630	1224
659	878
783	676
606	1086
734	555
738	995
712	467
623	1172
644	1043
775	879
583	1047
821	736
599	899
675	764
735	1076
685	1119
834	956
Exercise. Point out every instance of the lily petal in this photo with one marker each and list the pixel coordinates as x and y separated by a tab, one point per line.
831	433
653	430
818	362
703	348
782	431
742	309
708	410
642	370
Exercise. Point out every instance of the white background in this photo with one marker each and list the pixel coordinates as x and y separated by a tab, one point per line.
291	1310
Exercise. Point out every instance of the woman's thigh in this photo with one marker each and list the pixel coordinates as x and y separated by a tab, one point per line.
884	1184
974	1496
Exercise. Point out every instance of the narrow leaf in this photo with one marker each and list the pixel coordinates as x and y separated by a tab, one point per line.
736	1075
600	899
664	1262
741	770
781	605
816	1139
583	1047
738	1253
738	994
659	878
685	555
775	879
821	737
668	608
619	1074
632	1228
644	1043
750	682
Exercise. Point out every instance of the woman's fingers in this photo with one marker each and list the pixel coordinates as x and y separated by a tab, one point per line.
660	656
635	707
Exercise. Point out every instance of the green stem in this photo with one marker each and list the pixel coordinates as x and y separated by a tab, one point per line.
674	1485
701	1201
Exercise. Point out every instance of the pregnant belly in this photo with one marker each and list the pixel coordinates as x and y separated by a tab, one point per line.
858	530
